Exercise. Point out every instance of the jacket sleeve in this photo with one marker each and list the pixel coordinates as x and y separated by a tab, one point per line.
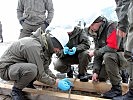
84	42
112	44
122	10
50	9
97	64
20	10
34	54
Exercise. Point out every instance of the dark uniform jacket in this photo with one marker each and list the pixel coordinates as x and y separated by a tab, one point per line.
33	12
105	41
29	50
78	39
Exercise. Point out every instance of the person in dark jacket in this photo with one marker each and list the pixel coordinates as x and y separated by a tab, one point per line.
33	14
28	59
108	51
74	52
1	37
124	10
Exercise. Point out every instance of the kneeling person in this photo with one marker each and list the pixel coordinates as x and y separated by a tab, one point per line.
74	52
27	60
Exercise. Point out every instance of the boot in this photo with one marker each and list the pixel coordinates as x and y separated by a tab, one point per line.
124	75
127	96
18	94
70	73
30	85
115	91
83	77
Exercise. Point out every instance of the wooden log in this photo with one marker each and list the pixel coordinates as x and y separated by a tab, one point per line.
99	87
49	95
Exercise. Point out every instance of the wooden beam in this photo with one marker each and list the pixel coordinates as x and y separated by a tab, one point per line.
99	87
37	94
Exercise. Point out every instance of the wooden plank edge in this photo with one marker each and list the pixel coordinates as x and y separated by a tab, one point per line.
90	86
51	93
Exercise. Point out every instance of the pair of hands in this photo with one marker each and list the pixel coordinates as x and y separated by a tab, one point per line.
64	84
68	51
72	51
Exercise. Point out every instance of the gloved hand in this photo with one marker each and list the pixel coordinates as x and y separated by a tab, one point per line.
72	51
64	84
65	50
68	81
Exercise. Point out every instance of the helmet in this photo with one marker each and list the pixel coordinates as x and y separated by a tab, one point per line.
61	35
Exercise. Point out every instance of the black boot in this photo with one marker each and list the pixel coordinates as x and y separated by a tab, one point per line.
30	85
115	91
18	94
70	73
83	77
127	96
124	75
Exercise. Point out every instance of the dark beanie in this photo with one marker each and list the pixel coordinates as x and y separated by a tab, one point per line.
99	19
56	43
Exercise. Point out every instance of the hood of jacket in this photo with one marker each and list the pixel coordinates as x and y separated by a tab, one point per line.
44	39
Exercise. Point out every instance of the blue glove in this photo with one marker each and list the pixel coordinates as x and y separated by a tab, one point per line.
72	51
68	81
64	84
65	50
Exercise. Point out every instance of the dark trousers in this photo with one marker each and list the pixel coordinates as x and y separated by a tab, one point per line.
82	59
28	29
112	68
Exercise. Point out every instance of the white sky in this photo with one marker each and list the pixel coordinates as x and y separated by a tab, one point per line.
66	11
